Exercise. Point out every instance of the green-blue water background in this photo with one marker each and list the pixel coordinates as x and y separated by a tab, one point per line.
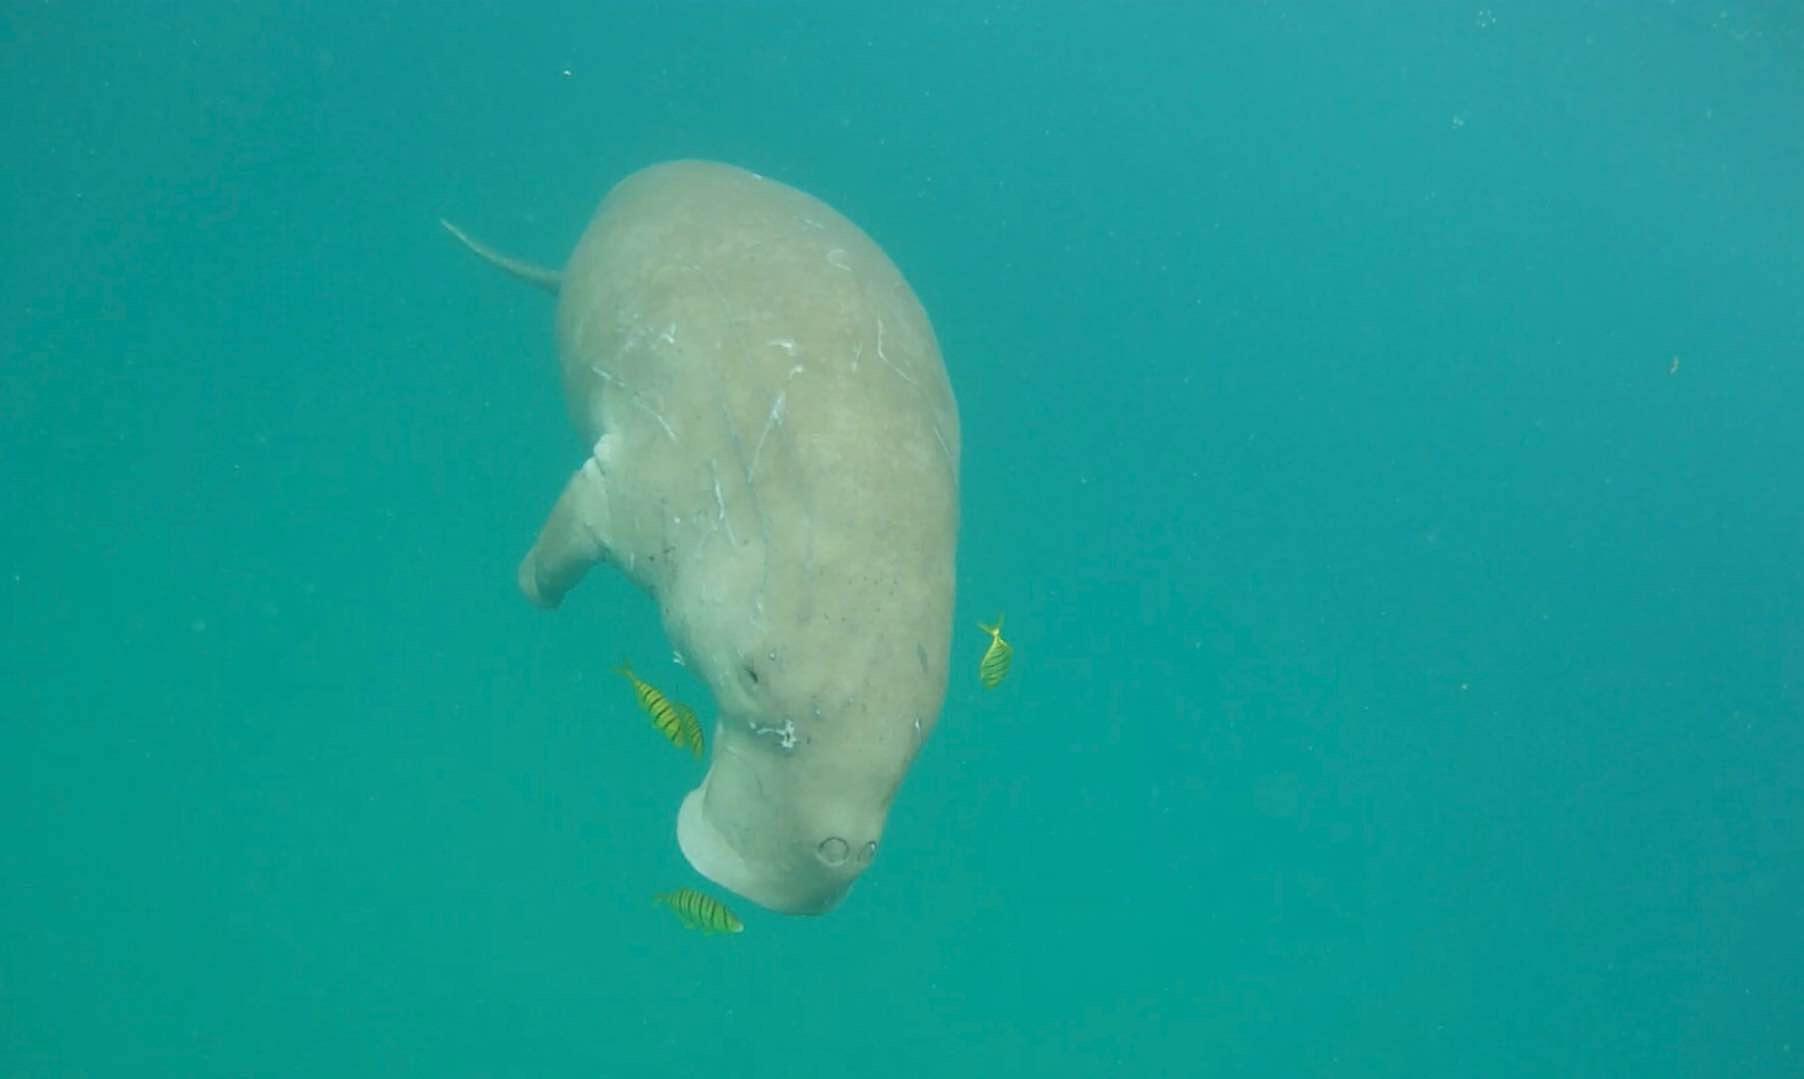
1410	661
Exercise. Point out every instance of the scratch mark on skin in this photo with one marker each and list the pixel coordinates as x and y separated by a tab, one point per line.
771	420
638	401
720	504
837	258
653	413
774	419
787	344
786	734
938	434
751	492
734	330
669	334
903	374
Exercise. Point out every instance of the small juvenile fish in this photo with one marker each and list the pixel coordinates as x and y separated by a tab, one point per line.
993	667
700	911
674	721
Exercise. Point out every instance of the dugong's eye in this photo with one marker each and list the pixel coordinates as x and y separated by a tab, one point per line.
751	673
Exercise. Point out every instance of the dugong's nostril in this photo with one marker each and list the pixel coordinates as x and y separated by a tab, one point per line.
833	850
869	852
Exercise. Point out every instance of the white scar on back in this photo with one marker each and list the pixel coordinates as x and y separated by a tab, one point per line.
638	401
903	374
772	419
653	413
720	504
786	734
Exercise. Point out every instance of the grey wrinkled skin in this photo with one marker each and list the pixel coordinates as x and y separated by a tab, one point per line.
775	457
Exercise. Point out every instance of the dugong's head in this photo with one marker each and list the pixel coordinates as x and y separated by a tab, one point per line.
794	802
824	701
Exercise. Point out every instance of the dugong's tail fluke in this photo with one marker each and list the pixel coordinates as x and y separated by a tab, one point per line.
544	277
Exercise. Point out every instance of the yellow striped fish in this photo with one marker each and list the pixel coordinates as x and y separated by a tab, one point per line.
993	667
700	911
674	721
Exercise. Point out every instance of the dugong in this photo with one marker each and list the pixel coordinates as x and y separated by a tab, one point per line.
774	457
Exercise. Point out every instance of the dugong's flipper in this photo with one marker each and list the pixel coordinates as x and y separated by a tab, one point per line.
573	538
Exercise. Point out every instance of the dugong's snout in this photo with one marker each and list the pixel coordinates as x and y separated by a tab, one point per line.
793	843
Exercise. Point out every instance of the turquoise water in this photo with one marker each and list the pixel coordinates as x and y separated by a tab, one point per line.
1381	431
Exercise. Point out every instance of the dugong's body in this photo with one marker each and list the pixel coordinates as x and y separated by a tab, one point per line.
775	457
